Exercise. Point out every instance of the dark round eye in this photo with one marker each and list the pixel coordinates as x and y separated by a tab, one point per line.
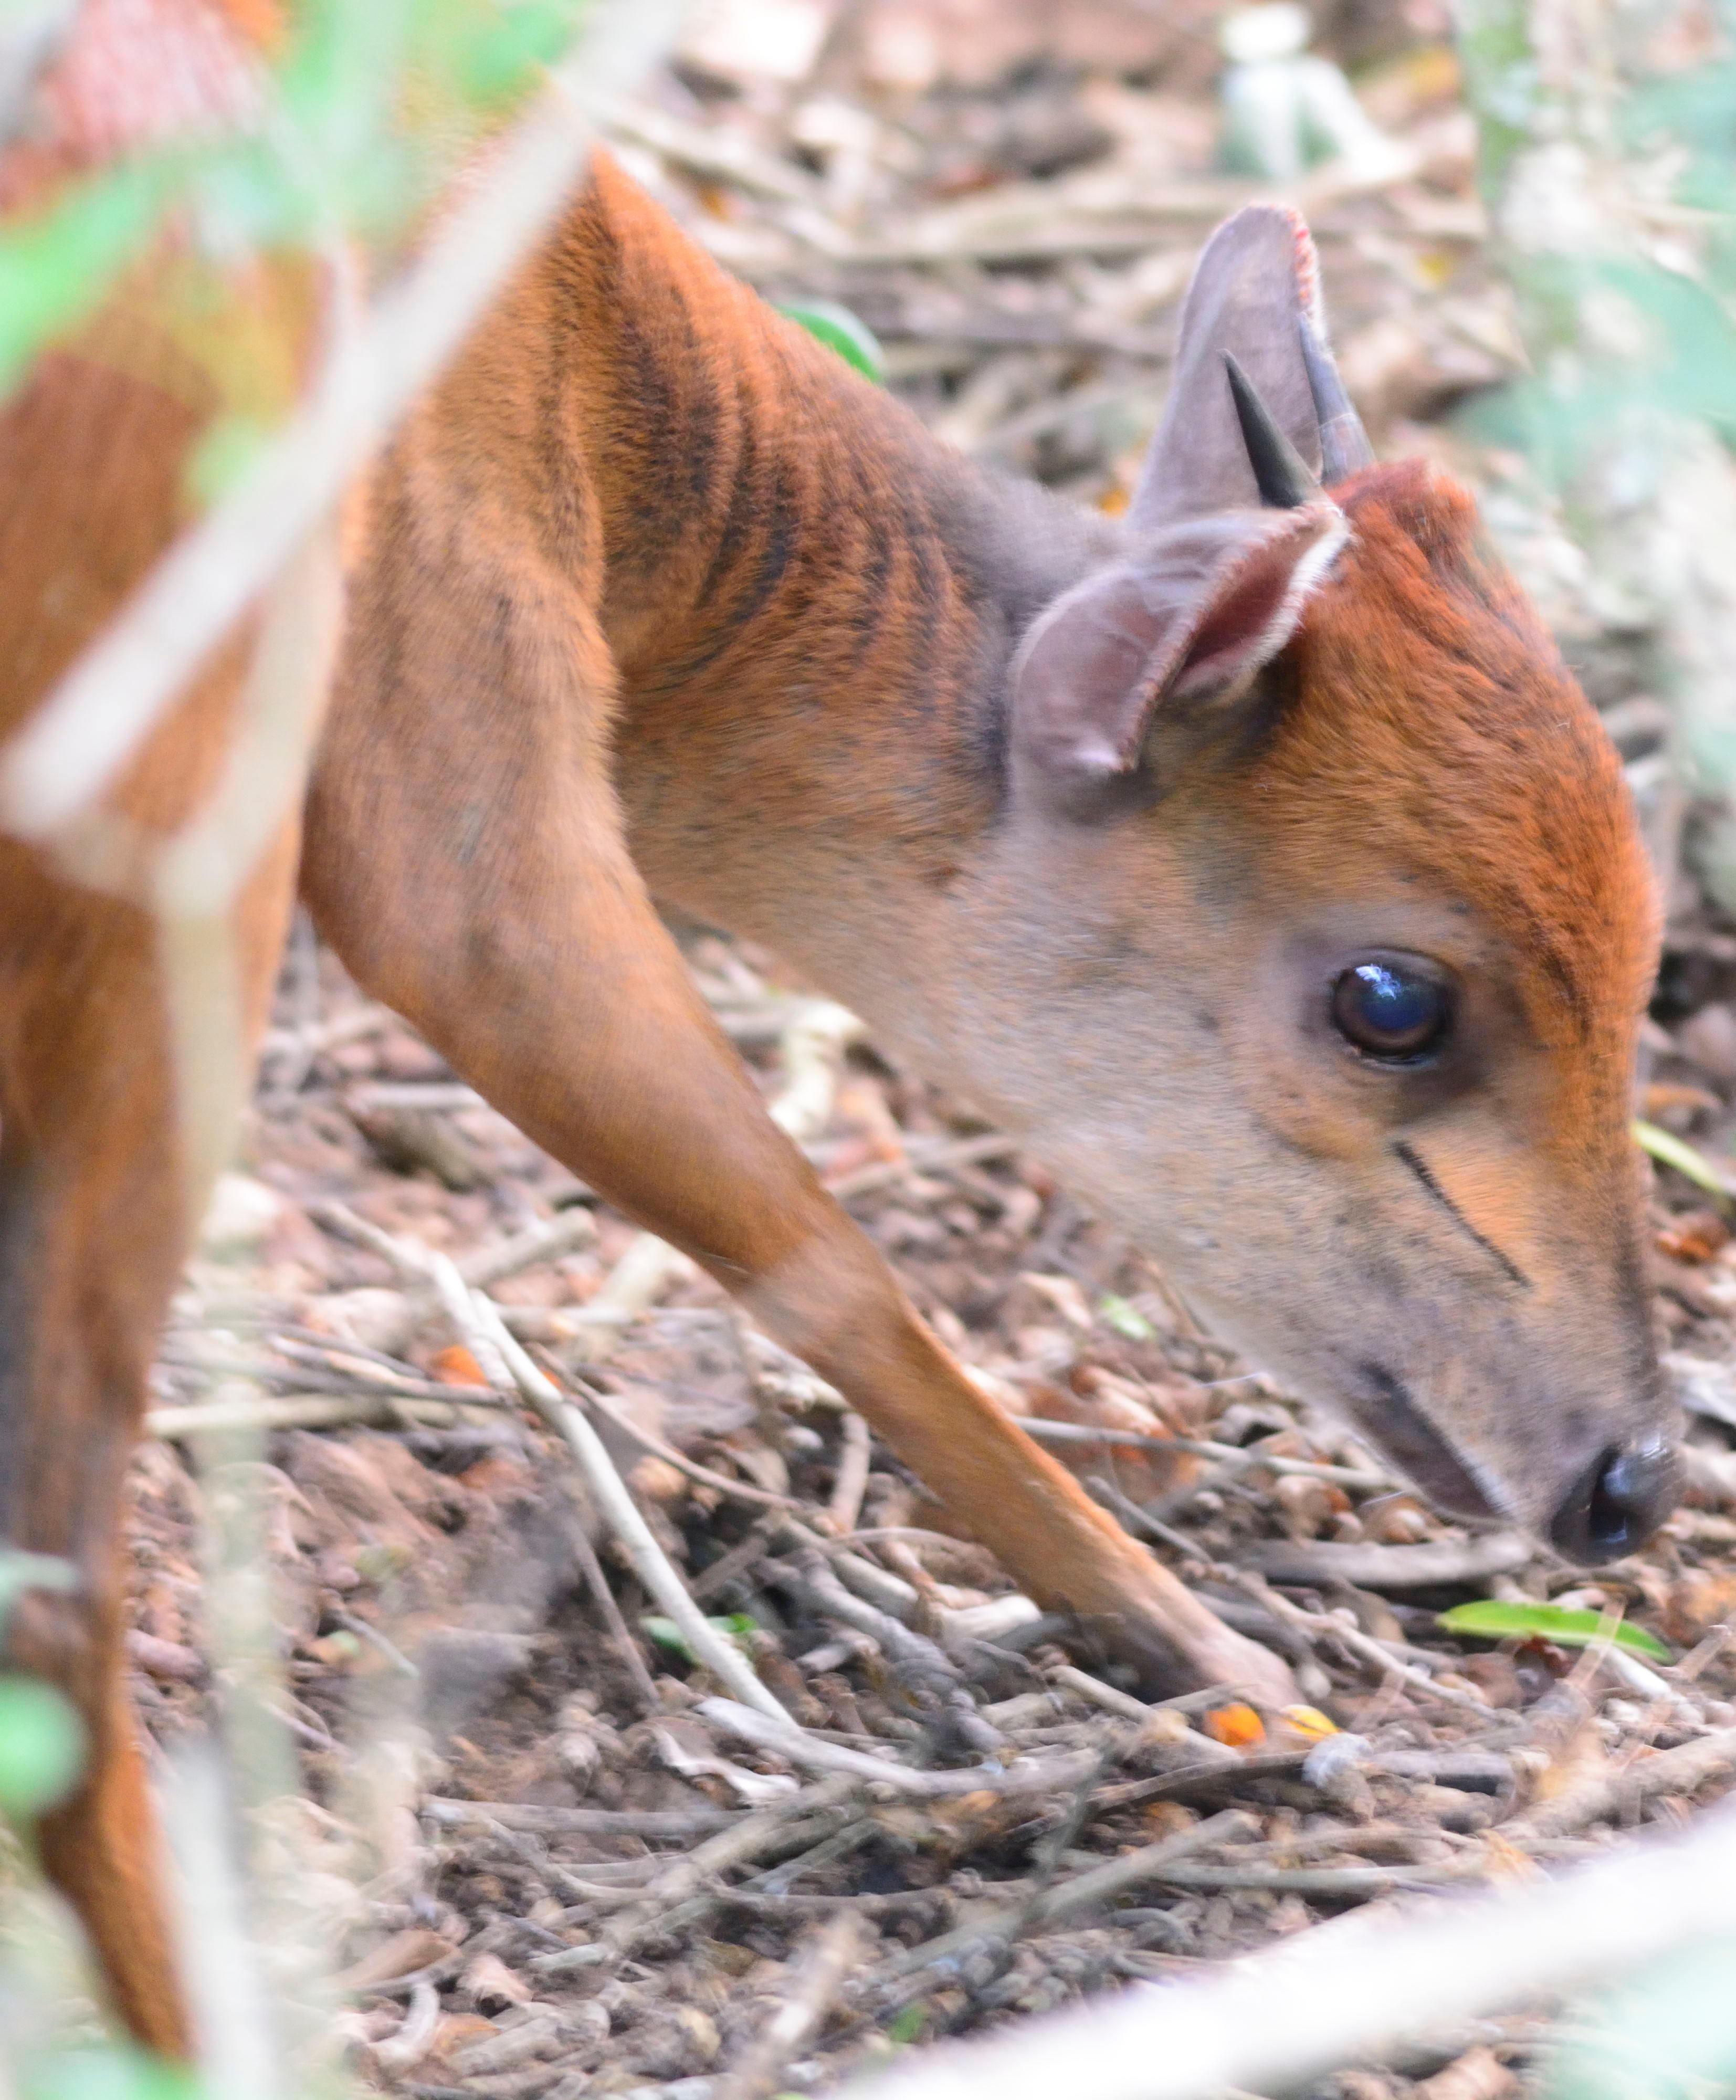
1390	1012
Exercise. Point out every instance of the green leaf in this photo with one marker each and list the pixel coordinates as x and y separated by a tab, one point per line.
841	330
1124	1319
1672	1151
109	2074
736	1626
42	1746
1489	1620
910	2025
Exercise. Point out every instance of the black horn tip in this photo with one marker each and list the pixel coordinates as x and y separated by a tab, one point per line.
1283	476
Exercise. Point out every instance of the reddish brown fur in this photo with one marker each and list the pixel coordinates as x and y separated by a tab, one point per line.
91	1228
656	598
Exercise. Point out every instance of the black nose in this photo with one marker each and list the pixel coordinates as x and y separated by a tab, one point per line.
1617	1504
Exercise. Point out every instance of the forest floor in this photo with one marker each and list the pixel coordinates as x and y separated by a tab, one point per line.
503	1797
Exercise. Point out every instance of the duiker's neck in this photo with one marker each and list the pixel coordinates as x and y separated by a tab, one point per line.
812	604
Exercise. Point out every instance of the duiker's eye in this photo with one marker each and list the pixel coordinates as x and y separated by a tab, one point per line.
1389	1011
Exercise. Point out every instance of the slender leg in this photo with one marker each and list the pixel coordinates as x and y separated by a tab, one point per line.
93	1227
91	1231
93	1209
465	859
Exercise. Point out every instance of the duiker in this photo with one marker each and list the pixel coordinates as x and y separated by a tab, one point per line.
1256	861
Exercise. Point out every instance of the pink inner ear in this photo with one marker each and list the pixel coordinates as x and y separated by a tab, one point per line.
1233	631
1186	615
1248	620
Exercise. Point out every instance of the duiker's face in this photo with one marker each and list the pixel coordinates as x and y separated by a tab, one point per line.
1349	1015
1341	917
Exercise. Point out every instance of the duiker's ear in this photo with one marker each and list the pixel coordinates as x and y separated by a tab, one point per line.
1181	623
1256	296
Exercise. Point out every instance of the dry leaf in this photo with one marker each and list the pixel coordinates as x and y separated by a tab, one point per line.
1308	1722
403	1955
456	1365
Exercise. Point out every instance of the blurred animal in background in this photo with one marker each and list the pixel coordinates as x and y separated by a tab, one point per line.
1253	858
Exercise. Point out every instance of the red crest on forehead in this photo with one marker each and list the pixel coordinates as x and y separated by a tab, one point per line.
1435	720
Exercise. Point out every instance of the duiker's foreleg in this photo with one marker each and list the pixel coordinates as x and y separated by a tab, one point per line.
472	873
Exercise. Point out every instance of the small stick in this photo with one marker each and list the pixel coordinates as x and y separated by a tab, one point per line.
478	1319
788	1740
672	1825
815	1039
679	1893
402	2050
1364	1647
852	1480
742	1490
1093	1690
300	1411
619	1632
1396	1567
1332	1882
1198	1447
819	1972
889	1173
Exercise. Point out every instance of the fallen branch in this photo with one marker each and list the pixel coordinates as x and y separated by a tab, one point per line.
851	1480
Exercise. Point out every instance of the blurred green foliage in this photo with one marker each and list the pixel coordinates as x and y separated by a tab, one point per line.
42	1746
1613	335
1670	2034
41	1739
368	110
109	2074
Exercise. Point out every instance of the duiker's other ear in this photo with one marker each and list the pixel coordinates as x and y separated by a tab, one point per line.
1182	622
1256	296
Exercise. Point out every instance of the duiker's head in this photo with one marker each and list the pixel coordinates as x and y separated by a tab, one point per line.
1334	930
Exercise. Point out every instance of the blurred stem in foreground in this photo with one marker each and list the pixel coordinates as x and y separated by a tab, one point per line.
1604	160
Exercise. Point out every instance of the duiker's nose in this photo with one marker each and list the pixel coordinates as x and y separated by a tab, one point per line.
1617	1504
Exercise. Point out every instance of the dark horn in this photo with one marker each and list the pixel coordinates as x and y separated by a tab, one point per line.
1344	448
1283	476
